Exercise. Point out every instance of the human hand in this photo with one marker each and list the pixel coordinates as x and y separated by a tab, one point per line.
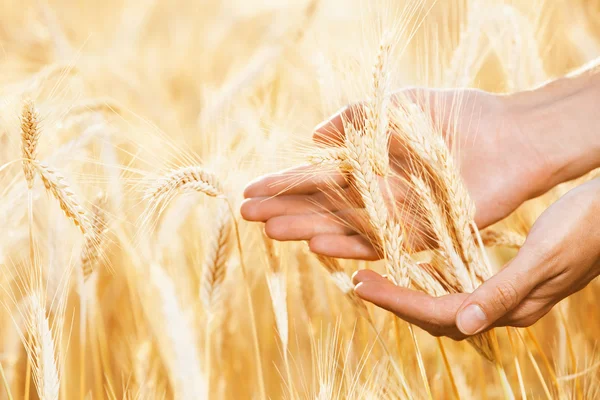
500	165
560	257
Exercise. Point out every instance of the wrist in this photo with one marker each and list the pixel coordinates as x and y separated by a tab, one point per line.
558	122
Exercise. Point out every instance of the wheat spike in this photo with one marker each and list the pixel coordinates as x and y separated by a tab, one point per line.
41	350
334	156
187	178
215	265
366	180
377	118
387	232
508	239
94	241
58	186
343	282
458	276
30	135
428	149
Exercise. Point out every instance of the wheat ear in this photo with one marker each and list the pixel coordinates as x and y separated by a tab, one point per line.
458	276
41	350
377	118
58	186
213	276
387	232
333	156
214	271
30	135
186	179
215	265
343	282
94	241
492	238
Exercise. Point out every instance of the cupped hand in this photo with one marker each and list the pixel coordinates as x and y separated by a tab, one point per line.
500	165
560	257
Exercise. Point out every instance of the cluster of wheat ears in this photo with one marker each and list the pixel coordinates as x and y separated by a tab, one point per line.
130	273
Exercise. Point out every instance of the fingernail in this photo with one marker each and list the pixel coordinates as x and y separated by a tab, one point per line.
354	274
358	286
471	320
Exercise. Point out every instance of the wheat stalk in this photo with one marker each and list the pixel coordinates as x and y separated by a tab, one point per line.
30	135
58	186
182	357
277	287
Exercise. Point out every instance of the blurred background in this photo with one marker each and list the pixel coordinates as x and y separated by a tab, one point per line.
127	89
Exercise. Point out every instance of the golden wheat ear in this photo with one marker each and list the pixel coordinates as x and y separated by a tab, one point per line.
94	241
215	265
30	135
193	178
60	189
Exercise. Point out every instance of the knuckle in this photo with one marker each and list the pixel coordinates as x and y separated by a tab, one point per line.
273	229
505	296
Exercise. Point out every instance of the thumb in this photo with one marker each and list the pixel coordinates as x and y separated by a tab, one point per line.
498	295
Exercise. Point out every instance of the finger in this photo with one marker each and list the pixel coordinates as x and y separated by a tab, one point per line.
305	227
264	208
331	131
341	246
498	295
434	314
364	275
305	179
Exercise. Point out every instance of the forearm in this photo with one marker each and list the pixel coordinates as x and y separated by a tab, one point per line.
563	119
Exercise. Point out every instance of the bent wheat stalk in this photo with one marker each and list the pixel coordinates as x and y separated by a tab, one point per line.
198	179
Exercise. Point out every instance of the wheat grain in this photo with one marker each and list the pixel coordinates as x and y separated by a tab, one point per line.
30	135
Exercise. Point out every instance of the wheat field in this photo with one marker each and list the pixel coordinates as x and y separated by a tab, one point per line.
129	129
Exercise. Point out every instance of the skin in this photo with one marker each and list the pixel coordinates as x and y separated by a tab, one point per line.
510	149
